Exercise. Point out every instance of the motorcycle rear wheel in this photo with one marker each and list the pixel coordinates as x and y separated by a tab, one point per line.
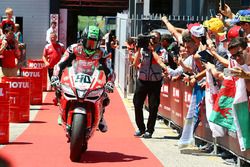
77	139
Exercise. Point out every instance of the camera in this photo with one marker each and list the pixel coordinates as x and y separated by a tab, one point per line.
143	40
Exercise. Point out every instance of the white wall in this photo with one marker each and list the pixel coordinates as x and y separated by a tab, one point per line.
35	15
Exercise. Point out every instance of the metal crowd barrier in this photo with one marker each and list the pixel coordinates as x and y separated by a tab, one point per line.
175	99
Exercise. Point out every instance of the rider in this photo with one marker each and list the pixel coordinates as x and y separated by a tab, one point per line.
88	50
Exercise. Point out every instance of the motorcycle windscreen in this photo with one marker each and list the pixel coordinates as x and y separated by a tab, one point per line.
83	66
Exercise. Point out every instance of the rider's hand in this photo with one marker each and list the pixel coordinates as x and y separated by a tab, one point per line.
55	81
109	87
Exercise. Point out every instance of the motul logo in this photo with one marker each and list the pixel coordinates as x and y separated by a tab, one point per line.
1	92
36	65
19	84
31	74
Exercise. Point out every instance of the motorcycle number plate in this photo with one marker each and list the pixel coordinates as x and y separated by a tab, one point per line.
82	80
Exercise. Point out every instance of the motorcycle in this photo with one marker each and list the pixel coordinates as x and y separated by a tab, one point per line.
81	106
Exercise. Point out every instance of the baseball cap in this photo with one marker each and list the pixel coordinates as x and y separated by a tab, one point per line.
189	26
234	32
215	25
198	31
241	16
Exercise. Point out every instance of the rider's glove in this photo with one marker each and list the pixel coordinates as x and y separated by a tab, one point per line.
55	81
109	87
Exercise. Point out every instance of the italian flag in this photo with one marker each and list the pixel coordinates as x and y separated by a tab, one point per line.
241	115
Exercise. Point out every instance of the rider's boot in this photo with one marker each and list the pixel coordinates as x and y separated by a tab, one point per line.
103	125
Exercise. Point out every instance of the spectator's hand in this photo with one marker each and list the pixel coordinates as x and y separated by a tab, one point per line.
175	78
164	18
220	16
151	47
192	80
167	78
180	59
239	72
46	64
226	12
186	79
211	48
4	44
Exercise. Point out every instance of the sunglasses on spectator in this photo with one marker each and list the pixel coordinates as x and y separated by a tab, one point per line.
238	54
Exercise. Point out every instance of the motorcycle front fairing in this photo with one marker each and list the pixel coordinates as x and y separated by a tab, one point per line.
83	93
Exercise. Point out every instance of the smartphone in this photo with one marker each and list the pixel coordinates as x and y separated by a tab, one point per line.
228	72
206	57
222	4
212	13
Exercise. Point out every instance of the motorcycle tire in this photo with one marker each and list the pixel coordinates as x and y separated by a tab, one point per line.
77	139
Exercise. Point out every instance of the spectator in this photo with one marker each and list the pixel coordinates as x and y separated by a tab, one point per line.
18	33
10	52
52	53
8	22
131	47
171	46
148	84
114	43
184	61
51	29
175	31
21	46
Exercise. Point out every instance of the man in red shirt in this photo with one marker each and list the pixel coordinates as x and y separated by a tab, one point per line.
52	53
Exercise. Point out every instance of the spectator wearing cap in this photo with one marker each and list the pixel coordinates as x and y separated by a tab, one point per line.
198	34
192	42
242	18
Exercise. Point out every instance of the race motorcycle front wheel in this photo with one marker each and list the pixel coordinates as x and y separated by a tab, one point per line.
78	137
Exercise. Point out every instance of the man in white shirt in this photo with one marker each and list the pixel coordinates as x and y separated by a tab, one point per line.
51	29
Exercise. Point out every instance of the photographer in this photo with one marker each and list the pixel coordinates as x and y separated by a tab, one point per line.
9	53
171	46
149	81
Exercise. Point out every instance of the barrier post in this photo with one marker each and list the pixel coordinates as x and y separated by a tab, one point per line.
19	95
176	103
164	109
38	63
35	75
4	113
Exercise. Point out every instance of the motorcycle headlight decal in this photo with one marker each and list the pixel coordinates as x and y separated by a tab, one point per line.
67	90
81	93
95	93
